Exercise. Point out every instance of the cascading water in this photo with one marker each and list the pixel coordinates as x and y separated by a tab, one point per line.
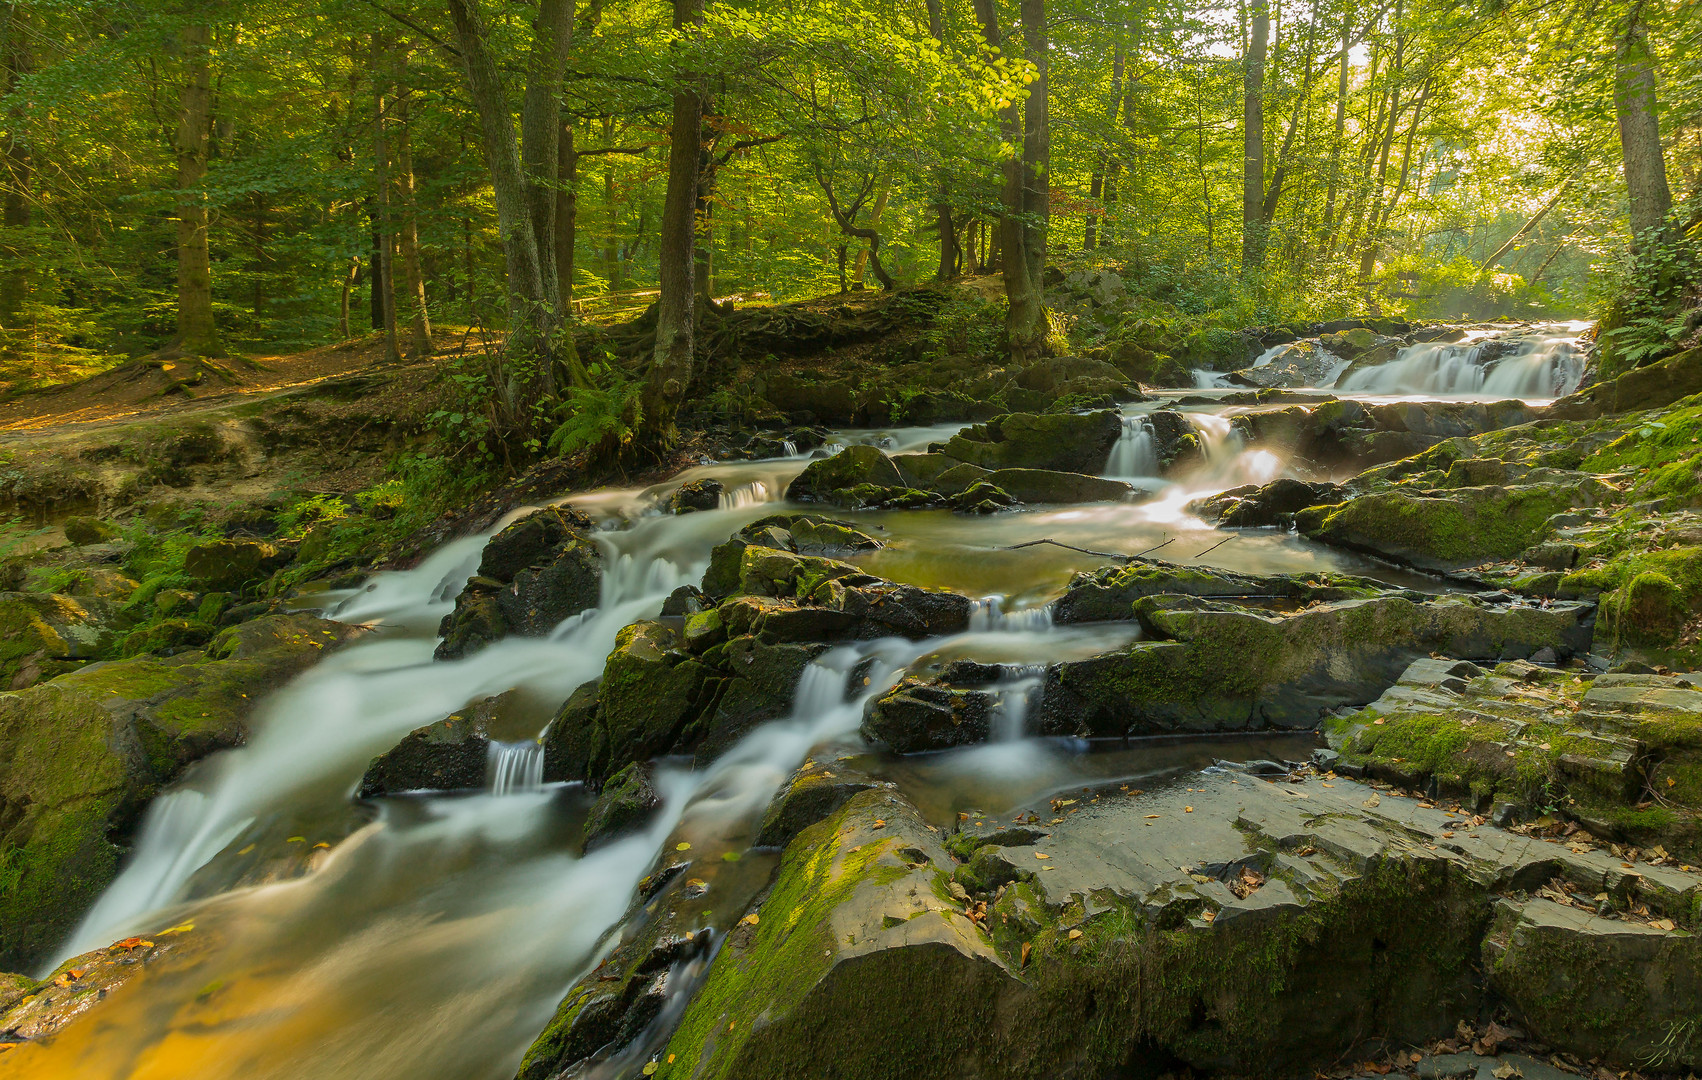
1228	462
1134	455
516	768
752	494
1541	366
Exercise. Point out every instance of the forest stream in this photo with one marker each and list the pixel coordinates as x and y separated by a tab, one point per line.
431	935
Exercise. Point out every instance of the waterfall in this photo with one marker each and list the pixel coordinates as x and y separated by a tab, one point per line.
1271	354
1228	462
1015	695
1541	366
516	768
1206	379
752	494
1134	455
987	615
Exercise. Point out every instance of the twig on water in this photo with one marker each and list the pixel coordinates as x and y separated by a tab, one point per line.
1219	544
1086	551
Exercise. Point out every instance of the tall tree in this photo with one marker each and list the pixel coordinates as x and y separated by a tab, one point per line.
1640	130
671	362
196	332
1253	230
15	182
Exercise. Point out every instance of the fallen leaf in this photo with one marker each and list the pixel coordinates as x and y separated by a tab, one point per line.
650	1068
1662	924
1209	916
750	920
1041	855
879	824
682	846
1373	800
1151	816
1505	1071
1074	934
133	943
1187	809
1026	948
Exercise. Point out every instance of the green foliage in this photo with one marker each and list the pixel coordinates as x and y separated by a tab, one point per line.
1654	299
601	419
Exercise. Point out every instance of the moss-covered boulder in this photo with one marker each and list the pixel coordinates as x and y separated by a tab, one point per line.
917	716
449	755
1274	504
1066	442
1654	386
1213	666
1109	594
834	479
808	535
697	495
625	805
45	634
1445	530
1051	486
533	574
83	531
235	565
80	757
1651	603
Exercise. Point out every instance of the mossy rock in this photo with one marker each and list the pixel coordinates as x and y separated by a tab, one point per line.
535	573
84	753
235	565
43	635
834	479
1065	442
627	802
1465	527
83	531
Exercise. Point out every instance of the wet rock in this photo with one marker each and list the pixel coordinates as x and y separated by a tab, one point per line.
1275	504
1174	440
685	601
81	756
832	480
814	792
697	495
1109	594
43	635
917	716
83	531
449	755
650	691
1213	666
1653	386
627	802
1049	486
1301	364
533	574
982	497
35	1009
1445	530
987	870
234	565
1065	442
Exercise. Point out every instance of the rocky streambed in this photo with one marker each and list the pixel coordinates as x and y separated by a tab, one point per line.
1243	731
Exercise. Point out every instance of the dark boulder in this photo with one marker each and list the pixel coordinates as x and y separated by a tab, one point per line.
702	494
625	805
832	479
534	573
449	755
1070	442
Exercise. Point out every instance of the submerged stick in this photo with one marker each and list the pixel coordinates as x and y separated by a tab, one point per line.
1219	544
1084	551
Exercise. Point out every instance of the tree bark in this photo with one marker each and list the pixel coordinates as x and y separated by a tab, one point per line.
567	214
943	224
671	364
1640	133
1329	223
1036	157
540	133
1025	319
408	233
527	371
1096	183
196	332
15	61
1253	141
385	278
876	212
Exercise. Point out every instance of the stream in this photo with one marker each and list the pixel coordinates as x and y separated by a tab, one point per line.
430	936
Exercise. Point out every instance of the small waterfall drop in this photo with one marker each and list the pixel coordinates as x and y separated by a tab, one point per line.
1015	694
516	768
754	493
1270	354
987	616
1546	364
1134	454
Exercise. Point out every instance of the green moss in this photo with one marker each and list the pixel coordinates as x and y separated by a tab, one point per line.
791	948
1473	525
1648	599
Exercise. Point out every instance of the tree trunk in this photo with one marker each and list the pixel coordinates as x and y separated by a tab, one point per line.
527	373
1096	189
343	297
1328	227
612	263
196	332
671	364
875	214
949	248
408	234
540	133
1025	321
1535	219
567	214
1640	133
385	278
15	61
1253	142
1036	158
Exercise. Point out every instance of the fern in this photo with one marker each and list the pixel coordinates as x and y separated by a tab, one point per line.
602	419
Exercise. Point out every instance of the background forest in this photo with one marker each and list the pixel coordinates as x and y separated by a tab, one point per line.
246	175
